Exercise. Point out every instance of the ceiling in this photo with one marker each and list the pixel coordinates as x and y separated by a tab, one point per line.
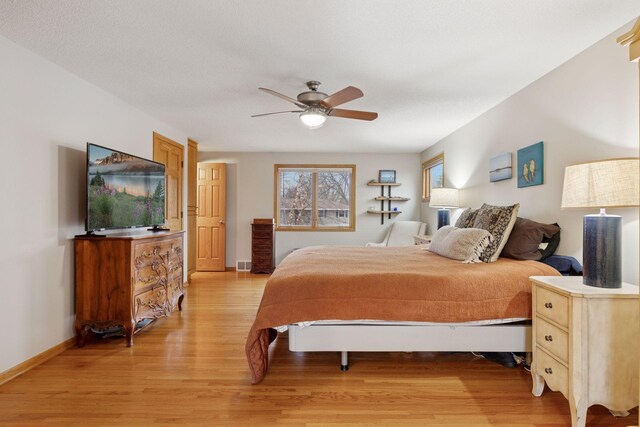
427	67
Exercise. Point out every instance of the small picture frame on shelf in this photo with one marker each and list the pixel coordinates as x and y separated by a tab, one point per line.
387	176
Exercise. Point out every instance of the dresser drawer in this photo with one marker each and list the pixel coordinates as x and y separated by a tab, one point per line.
555	374
262	244
553	339
262	264
266	254
156	261
262	231
552	305
151	304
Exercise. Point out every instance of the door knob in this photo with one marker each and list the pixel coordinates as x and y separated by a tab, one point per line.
222	221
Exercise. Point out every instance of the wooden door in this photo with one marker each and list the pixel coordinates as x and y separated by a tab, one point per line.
211	236
171	154
192	205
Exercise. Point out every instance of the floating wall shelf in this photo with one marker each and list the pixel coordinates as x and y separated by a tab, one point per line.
376	211
388	198
382	184
393	199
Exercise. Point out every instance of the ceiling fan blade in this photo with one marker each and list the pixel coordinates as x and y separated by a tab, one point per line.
277	112
347	94
353	114
285	97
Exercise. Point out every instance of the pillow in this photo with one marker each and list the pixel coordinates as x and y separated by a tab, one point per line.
462	244
467	218
526	237
497	220
549	245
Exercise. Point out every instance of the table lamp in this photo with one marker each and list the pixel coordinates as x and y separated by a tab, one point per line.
444	199
611	183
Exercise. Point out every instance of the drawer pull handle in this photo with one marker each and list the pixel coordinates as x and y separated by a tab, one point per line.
548	338
548	305
548	370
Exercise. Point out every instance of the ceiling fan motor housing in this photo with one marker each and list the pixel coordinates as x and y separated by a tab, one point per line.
312	96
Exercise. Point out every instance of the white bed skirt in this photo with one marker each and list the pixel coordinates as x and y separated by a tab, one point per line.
401	336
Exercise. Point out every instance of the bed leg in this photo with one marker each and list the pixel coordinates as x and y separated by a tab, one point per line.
344	361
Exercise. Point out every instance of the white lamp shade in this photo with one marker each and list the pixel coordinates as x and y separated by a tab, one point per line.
444	198
609	183
313	118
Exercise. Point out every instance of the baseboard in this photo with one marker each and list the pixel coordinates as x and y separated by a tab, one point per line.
229	269
29	364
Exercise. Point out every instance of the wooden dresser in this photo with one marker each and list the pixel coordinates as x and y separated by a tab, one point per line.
263	245
125	278
585	344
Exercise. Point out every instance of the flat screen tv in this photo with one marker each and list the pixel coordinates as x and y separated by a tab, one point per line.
123	190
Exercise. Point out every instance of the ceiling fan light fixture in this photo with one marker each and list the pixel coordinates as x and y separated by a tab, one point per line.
313	118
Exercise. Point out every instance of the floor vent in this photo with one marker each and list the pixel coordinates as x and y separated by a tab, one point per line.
243	265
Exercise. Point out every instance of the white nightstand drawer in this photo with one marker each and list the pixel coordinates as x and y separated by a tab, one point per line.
556	375
552	305
553	339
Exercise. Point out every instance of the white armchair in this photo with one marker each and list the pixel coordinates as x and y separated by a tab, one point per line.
401	233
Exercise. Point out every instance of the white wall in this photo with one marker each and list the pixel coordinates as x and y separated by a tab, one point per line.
46	117
250	190
586	109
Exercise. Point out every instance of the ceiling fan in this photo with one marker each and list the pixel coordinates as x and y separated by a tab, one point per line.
315	106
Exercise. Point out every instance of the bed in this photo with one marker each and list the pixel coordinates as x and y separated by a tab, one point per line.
436	295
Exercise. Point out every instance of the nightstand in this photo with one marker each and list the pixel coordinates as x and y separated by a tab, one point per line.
585	344
421	239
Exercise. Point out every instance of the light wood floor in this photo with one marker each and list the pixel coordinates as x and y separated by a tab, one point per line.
191	369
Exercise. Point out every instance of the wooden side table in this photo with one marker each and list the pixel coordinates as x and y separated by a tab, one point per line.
586	344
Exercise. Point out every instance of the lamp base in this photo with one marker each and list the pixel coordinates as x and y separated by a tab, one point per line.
443	217
602	251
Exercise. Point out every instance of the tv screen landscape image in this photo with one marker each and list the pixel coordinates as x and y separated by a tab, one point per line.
123	190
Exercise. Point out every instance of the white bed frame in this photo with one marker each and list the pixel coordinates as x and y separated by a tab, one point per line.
347	337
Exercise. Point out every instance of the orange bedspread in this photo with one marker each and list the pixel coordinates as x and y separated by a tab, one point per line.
390	283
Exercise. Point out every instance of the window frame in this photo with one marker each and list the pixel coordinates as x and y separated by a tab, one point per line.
314	210
426	175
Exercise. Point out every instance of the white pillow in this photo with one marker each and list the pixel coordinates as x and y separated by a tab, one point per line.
461	244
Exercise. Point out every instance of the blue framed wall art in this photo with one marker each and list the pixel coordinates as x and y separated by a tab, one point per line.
530	166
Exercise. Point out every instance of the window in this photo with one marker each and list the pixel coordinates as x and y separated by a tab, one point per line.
432	175
315	197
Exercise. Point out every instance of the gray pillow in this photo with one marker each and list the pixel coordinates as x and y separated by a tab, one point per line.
461	244
499	221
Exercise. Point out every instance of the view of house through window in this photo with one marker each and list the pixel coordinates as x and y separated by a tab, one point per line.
311	197
432	175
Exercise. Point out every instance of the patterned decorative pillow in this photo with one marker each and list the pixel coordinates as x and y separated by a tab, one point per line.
499	221
467	218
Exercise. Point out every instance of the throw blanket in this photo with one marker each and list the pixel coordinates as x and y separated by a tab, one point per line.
389	283
462	244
